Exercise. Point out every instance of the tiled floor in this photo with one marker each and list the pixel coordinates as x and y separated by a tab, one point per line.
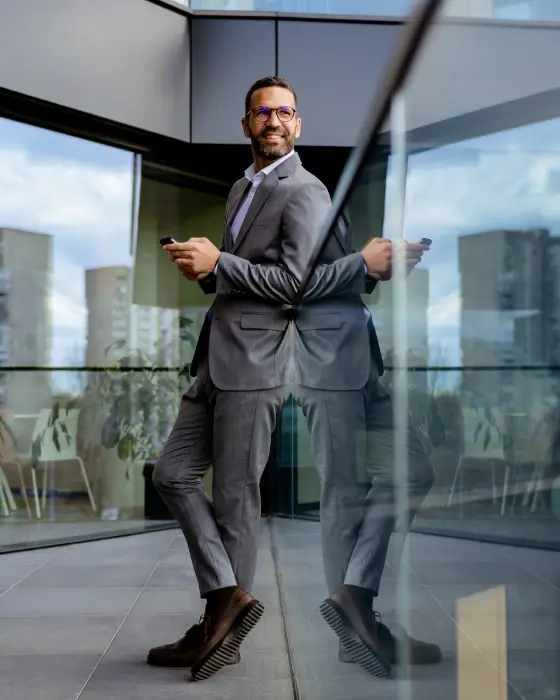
76	622
442	572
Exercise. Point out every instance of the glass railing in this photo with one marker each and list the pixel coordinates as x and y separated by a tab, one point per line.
80	461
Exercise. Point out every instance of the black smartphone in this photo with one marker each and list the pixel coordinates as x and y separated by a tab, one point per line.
425	241
166	241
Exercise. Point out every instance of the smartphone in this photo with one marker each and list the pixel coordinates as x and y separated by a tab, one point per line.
425	241
166	241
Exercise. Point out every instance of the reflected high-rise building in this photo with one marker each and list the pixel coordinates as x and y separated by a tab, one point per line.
26	260
113	319
418	300
508	287
108	311
553	299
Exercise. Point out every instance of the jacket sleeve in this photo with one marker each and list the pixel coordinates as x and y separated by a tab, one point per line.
302	222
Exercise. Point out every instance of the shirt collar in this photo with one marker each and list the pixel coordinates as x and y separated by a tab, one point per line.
250	172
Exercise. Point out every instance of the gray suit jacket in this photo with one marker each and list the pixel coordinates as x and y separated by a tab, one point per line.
253	338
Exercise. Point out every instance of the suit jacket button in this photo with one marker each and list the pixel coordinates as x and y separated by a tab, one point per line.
290	311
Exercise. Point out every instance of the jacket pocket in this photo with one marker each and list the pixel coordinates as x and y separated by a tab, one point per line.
319	322
264	322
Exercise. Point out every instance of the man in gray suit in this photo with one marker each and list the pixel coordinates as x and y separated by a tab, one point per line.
247	361
350	418
244	366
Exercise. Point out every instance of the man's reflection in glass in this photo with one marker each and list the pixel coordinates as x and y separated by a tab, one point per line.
349	414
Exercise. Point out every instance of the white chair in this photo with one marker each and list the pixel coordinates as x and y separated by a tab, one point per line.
7	500
483	439
65	451
50	454
540	455
40	421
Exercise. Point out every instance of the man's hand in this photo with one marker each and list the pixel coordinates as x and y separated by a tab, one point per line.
195	258
378	255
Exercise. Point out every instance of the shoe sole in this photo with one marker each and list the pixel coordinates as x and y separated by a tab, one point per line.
170	664
226	651
358	652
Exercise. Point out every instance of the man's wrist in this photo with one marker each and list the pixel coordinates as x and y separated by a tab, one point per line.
371	275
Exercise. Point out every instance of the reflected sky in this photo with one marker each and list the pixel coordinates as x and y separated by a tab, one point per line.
508	180
78	192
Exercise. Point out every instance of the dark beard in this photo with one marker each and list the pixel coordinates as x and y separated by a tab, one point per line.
273	151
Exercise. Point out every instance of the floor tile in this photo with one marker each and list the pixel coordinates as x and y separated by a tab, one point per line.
53	602
173	577
40	677
122	677
62	635
53	575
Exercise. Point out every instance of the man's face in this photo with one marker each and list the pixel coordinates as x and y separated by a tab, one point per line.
273	137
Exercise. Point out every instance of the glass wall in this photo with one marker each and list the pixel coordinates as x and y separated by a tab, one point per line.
470	348
96	335
333	7
513	10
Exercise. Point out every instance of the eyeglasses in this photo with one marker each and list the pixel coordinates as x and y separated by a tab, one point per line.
263	114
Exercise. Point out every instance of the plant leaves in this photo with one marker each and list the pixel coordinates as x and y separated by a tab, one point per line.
55	438
125	447
185	371
54	414
64	429
36	448
477	432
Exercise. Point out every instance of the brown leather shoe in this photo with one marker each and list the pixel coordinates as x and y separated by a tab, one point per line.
357	631
231	613
420	653
183	652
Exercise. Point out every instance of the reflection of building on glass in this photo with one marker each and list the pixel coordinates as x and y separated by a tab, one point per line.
503	9
112	318
510	288
554	299
469	8
418	297
25	318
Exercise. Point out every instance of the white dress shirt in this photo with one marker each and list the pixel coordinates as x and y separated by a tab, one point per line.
255	179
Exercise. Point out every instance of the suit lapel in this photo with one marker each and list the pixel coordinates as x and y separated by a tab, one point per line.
264	190
237	197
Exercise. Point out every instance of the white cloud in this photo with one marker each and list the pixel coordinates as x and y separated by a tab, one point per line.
445	312
493	189
67	312
82	199
87	208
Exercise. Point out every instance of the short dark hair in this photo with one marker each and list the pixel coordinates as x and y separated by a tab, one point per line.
269	81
